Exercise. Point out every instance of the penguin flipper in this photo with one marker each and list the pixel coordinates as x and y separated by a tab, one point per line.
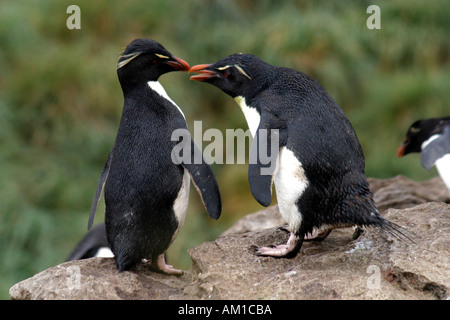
204	181
98	192
436	149
270	136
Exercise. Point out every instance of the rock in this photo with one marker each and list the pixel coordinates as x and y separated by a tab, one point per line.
400	192
377	265
374	266
97	278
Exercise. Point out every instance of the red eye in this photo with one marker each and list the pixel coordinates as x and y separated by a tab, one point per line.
154	61
225	74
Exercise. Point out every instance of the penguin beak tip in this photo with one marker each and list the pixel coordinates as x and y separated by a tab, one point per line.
204	74
401	151
179	64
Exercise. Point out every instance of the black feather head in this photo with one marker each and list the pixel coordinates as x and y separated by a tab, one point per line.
146	60
236	75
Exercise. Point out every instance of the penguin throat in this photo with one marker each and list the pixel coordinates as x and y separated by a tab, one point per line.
158	88
251	114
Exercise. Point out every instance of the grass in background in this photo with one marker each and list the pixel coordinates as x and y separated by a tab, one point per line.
60	100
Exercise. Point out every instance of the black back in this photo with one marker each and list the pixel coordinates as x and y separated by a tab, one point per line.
140	179
143	181
325	143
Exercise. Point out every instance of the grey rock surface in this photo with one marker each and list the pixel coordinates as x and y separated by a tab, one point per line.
374	266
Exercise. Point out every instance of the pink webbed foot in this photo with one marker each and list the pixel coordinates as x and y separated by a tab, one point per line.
290	249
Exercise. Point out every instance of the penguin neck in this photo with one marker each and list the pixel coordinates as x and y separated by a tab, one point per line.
251	115
429	140
159	89
145	89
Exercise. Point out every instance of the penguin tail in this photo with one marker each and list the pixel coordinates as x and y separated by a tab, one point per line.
370	217
395	230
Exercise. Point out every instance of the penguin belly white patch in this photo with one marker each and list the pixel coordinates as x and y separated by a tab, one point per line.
290	182
158	88
181	202
443	168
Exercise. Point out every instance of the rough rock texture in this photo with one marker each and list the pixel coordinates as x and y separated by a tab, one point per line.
375	266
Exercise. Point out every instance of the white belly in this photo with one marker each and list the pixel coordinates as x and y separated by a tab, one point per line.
289	176
290	182
180	204
443	167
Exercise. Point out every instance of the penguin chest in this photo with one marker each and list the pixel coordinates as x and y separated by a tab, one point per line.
443	167
158	88
290	182
251	114
180	204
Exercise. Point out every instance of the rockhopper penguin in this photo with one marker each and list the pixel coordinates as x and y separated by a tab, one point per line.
320	170
431	138
146	192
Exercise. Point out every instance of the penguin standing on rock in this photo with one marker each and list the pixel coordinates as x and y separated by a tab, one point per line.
146	186
431	138
319	170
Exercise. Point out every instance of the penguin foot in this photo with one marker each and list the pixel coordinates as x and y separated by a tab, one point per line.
358	231
162	266
290	249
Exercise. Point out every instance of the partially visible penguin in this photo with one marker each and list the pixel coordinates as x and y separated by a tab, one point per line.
430	138
146	186
320	169
93	244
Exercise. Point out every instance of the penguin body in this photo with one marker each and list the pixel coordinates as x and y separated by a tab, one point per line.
430	138
93	244
146	193
320	169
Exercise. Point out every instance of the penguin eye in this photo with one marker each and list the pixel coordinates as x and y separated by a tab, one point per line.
225	74
155	61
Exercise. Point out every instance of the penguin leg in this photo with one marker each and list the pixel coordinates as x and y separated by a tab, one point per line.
288	250
160	265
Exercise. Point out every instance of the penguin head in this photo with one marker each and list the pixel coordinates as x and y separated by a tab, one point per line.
236	75
146	60
419	132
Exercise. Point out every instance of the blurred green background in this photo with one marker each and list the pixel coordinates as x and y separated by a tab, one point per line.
60	100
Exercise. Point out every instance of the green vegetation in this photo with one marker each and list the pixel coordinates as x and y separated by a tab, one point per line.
60	101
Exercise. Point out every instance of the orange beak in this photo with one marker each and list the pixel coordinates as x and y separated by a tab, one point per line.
204	74
179	64
401	151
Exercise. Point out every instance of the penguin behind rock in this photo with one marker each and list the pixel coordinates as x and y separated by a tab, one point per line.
146	186
320	169
430	138
93	244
